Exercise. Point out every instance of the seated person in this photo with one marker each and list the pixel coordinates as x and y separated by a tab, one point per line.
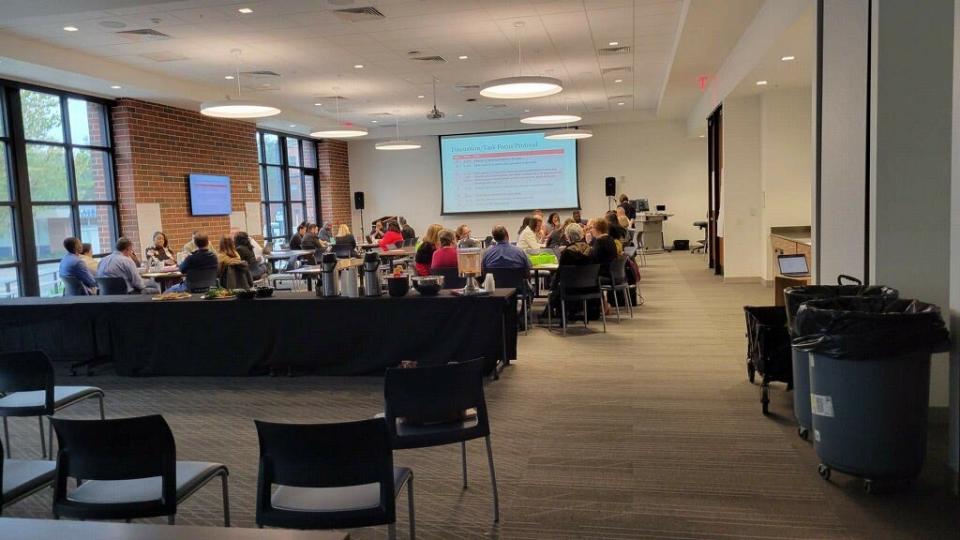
557	237
577	219
446	254
297	238
191	246
462	233
72	265
200	260
502	254
553	223
622	218
604	246
120	264
345	238
160	250
376	230
392	237
577	253
406	230
246	252
529	240
326	232
86	254
426	249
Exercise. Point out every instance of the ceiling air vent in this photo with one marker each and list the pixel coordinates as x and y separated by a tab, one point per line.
495	106
435	59
260	73
142	34
331	98
614	51
466	87
163	56
608	71
359	14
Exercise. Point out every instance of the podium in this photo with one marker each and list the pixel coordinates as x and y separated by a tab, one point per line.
651	231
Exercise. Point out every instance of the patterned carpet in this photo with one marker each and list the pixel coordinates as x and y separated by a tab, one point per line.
648	431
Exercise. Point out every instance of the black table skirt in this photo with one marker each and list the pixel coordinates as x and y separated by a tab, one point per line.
328	336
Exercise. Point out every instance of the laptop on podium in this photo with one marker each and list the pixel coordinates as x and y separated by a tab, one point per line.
793	265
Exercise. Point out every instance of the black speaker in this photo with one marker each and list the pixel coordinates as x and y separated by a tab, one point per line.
358	200
611	186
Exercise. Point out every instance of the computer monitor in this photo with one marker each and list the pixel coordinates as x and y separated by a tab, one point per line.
641	205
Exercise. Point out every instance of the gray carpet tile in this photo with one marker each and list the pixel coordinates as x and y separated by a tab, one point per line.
648	431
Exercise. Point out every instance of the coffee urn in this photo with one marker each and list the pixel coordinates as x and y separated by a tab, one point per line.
328	267
348	282
371	274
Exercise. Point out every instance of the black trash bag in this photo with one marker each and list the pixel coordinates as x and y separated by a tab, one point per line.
869	328
794	296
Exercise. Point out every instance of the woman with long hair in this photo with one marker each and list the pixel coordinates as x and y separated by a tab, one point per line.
428	245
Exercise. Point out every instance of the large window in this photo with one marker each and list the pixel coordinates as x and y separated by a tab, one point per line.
56	178
288	173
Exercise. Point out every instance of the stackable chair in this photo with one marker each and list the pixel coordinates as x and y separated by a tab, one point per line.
21	478
128	468
73	287
451	277
577	284
618	282
429	406
111	286
330	476
27	385
202	280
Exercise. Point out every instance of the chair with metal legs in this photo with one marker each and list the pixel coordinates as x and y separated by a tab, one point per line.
439	405
577	284
27	385
617	282
21	478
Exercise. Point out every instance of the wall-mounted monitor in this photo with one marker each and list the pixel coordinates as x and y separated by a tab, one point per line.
209	195
508	171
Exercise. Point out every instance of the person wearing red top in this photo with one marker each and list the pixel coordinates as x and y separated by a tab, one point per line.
446	255
391	237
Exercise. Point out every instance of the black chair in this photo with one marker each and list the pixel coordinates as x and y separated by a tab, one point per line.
111	286
515	278
618	282
236	276
577	284
21	478
408	242
27	385
344	251
128	468
73	287
451	277
433	406
329	476
202	279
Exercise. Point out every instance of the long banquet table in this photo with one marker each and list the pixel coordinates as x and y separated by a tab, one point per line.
292	330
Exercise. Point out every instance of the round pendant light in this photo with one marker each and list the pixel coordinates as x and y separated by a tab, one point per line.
522	86
237	108
551	119
344	130
398	144
568	133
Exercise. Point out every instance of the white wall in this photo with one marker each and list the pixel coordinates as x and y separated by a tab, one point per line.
653	160
954	457
786	164
741	199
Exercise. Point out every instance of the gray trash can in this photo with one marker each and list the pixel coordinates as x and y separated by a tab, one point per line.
869	383
793	297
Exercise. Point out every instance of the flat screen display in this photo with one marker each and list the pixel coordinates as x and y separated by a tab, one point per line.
209	195
509	171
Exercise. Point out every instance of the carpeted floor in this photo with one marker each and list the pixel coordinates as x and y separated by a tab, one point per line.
648	431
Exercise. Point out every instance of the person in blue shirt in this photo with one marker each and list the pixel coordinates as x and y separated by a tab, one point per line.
502	254
120	264
73	266
199	260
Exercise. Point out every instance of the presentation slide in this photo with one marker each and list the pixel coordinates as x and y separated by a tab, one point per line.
209	195
499	172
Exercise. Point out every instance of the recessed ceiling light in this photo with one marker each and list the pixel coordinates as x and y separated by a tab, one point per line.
761	83
116	87
373	121
613	43
526	110
70	28
318	104
618	81
358	66
620	103
245	10
788	58
702	136
420	97
459	116
463	57
228	77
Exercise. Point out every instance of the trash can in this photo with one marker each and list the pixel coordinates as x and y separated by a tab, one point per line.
795	296
869	383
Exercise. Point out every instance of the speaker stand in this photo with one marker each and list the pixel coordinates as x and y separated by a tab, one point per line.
363	230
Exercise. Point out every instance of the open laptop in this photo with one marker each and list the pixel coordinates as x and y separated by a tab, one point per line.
793	265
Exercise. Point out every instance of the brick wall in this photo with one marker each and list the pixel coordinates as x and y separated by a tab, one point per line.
336	200
157	147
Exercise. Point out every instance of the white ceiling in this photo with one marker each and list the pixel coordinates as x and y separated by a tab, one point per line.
798	41
314	51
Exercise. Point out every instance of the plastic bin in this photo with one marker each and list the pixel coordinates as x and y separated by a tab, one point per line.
869	383
795	296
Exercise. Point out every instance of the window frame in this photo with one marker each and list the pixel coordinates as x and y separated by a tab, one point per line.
28	261
267	199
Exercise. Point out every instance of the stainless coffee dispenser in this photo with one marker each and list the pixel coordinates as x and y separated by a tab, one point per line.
371	274
328	268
